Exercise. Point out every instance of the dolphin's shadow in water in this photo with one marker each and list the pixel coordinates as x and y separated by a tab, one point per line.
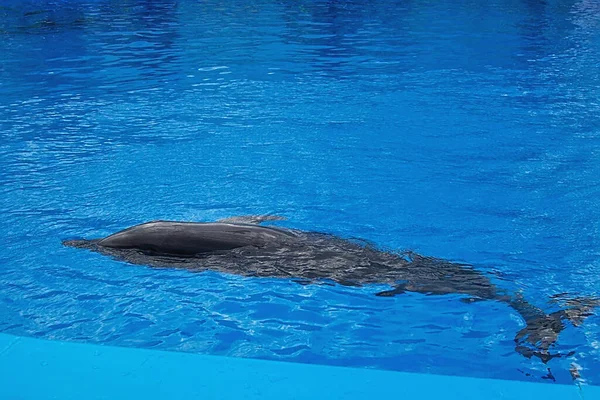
241	246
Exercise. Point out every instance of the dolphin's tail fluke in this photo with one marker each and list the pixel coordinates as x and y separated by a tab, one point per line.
541	330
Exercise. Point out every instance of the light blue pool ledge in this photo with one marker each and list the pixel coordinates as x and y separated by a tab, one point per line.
40	369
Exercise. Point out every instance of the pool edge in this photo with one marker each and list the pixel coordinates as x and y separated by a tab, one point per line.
43	369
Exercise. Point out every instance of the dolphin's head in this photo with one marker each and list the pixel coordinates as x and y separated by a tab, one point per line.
80	243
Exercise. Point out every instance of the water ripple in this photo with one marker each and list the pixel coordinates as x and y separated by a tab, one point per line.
390	122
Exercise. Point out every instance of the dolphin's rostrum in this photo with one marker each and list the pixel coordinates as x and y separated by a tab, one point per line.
241	246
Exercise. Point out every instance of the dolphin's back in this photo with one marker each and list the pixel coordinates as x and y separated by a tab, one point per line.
189	238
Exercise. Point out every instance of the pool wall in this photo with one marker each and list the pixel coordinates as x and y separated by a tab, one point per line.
41	369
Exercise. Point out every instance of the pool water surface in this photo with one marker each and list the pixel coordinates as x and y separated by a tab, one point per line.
468	131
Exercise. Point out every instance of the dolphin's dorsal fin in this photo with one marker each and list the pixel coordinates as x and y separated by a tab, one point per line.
252	219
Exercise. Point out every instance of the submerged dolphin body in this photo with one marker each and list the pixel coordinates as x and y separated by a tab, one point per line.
241	246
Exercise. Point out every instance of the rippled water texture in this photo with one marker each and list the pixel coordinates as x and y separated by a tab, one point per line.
463	130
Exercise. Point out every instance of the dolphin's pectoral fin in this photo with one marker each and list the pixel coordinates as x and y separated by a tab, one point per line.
400	289
252	219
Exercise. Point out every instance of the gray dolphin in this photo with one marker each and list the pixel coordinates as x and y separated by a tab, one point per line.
241	246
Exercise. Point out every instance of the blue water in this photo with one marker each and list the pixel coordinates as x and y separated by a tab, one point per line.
463	130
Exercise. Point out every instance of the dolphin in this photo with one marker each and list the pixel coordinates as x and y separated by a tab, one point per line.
240	245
